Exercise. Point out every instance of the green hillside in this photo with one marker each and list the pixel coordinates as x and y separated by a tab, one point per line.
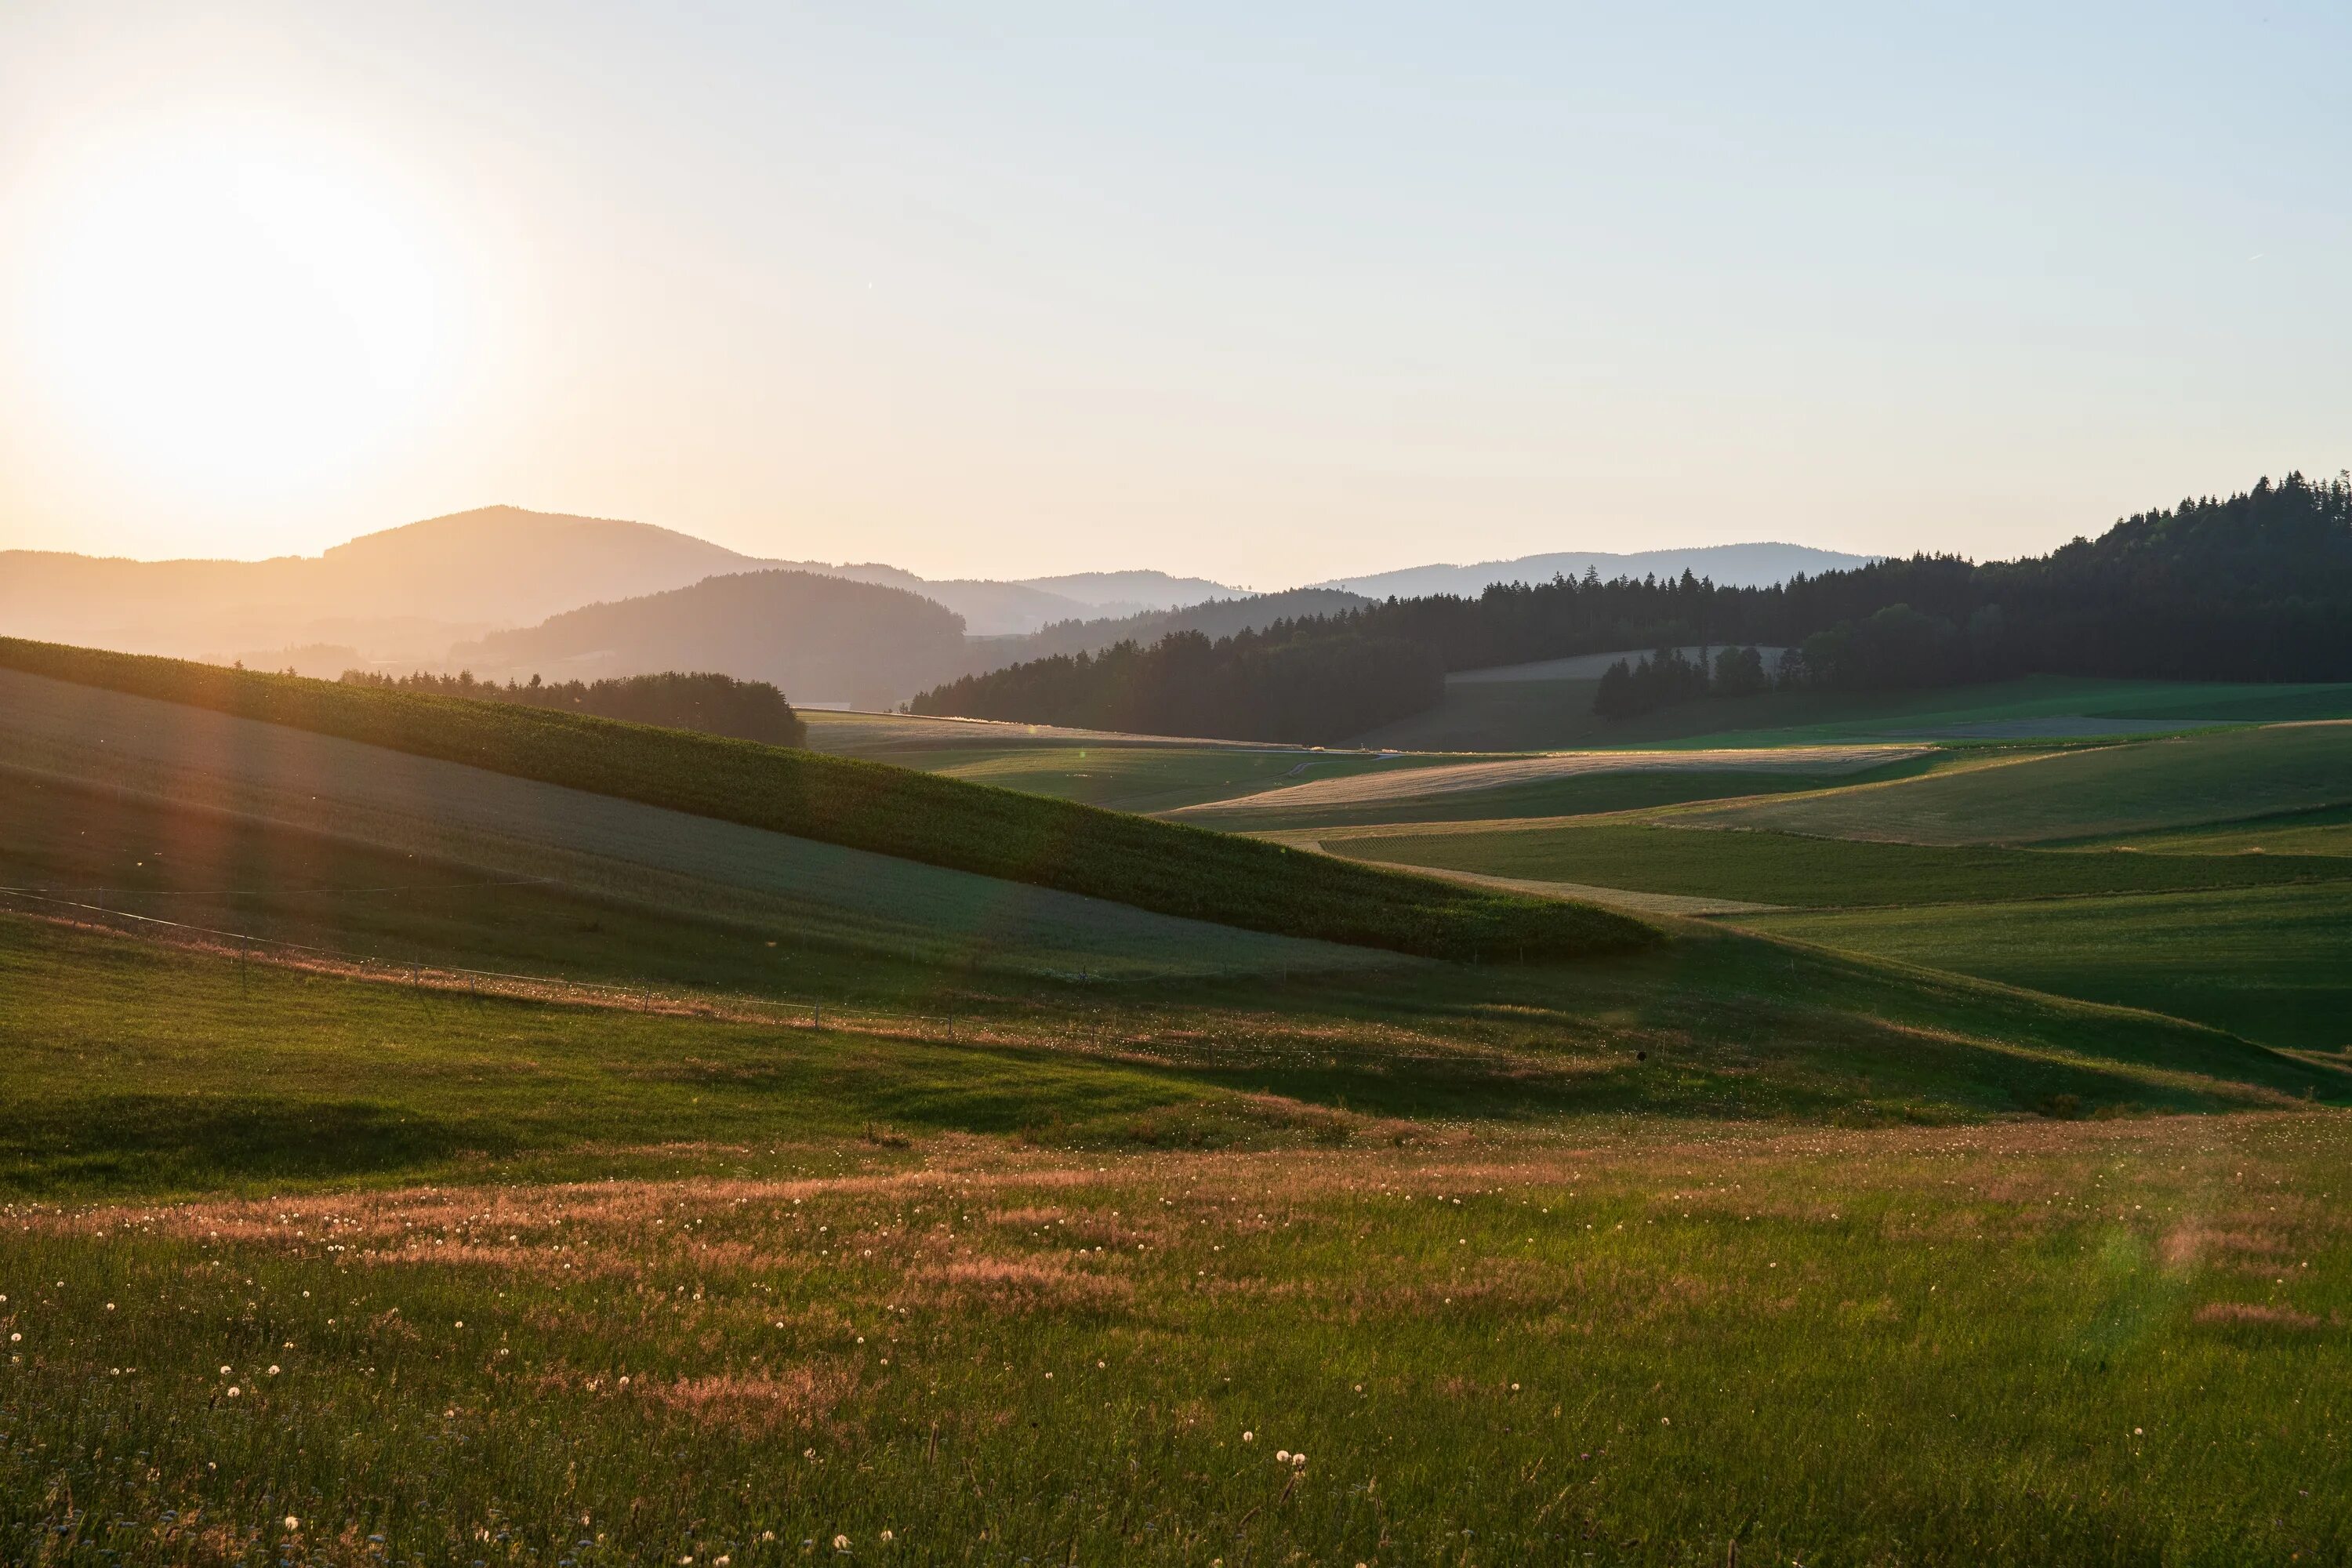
2138	788
2269	964
1786	868
891	811
1491	714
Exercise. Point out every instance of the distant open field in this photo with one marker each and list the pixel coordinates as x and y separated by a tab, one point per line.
2328	831
2272	964
884	736
1152	779
1401	788
2135	787
1785	868
1525	715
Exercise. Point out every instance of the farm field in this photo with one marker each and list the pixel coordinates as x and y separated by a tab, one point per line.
2270	963
888	736
1155	779
203	716
2328	831
1399	790
1003	1303
1783	869
1529	715
2135	787
1003	1250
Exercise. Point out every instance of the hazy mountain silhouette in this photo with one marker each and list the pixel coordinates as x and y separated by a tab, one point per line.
405	591
1132	593
1215	618
1728	565
821	638
406	594
438	593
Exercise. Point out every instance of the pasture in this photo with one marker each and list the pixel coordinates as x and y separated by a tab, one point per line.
1489	715
1986	1209
1766	868
1399	790
57	695
686	1254
2135	787
2271	963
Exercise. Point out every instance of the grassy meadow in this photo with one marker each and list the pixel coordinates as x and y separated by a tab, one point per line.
2270	963
1028	839
1064	1301
2140	787
1494	715
1790	869
1981	1206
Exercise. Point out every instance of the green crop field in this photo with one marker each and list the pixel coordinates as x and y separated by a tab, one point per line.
2328	831
1150	779
1784	869
898	812
2135	787
1531	715
1578	794
2271	963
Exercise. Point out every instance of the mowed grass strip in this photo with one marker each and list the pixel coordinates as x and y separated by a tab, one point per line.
2218	776
1786	868
1151	865
2272	964
2115	1343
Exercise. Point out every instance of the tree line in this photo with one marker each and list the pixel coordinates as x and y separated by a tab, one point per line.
712	704
2257	587
1295	681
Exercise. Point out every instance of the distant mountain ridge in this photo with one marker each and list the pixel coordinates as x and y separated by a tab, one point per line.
1727	565
822	639
489	587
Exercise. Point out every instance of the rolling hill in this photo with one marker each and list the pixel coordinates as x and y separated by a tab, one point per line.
883	810
822	639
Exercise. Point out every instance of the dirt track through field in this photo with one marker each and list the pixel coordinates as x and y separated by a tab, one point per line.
448	811
1430	783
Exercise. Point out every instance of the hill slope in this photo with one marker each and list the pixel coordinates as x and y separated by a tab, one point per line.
1155	866
822	639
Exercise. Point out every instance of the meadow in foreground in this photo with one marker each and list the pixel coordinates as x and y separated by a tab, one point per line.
461	1281
2116	1342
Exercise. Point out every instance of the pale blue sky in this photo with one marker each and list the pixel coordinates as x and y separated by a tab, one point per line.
1264	292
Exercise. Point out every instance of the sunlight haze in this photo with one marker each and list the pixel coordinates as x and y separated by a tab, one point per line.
1045	288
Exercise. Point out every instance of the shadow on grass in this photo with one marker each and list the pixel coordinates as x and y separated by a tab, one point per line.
149	1143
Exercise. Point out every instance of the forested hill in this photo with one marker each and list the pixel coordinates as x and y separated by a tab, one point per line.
2254	588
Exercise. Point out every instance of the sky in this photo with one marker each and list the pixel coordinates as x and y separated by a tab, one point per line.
1265	292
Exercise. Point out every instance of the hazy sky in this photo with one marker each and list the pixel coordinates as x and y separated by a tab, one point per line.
1267	292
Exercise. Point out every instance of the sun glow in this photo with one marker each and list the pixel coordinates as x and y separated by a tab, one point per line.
237	313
